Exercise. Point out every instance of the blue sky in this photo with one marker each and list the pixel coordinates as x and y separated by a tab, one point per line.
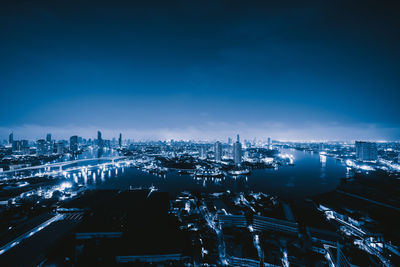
201	69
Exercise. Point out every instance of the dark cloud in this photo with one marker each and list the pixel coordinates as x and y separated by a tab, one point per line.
157	64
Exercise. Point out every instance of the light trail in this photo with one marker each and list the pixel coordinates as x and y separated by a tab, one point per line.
30	233
60	164
221	243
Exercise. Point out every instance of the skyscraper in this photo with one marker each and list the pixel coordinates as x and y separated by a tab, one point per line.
49	144
16	145
41	147
269	143
25	146
11	138
60	148
73	143
366	150
218	151
120	140
99	139
237	151
203	152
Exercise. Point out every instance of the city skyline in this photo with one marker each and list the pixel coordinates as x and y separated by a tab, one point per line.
199	133
368	133
183	71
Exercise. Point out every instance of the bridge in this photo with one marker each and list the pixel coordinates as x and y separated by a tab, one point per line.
60	165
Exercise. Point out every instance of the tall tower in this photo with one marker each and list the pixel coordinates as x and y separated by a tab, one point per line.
11	138
203	152
73	143
48	137
41	148
218	151
60	147
120	140
99	139
237	151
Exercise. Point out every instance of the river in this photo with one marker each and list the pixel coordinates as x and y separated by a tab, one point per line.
311	174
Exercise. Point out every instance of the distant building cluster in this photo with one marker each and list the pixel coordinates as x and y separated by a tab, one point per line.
367	151
237	153
48	146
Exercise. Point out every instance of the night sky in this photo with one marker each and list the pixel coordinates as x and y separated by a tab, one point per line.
323	70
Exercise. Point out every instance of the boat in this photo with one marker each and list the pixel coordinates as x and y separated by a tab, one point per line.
185	172
239	172
209	173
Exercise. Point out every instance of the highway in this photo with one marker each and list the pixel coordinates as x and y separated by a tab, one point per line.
30	233
370	200
29	253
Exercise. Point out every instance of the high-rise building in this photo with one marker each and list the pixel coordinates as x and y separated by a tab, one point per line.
107	143
203	153
48	137
49	146
99	139
41	147
366	150
269	143
16	145
120	140
60	148
218	151
11	138
73	143
229	140
237	151
24	146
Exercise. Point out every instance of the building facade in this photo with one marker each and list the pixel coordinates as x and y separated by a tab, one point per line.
73	143
237	151
366	151
218	151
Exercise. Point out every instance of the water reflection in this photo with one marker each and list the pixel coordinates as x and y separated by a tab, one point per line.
323	168
311	174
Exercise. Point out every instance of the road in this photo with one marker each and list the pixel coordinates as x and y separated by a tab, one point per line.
29	253
211	224
370	200
28	234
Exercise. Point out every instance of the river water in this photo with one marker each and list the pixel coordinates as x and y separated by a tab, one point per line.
311	174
